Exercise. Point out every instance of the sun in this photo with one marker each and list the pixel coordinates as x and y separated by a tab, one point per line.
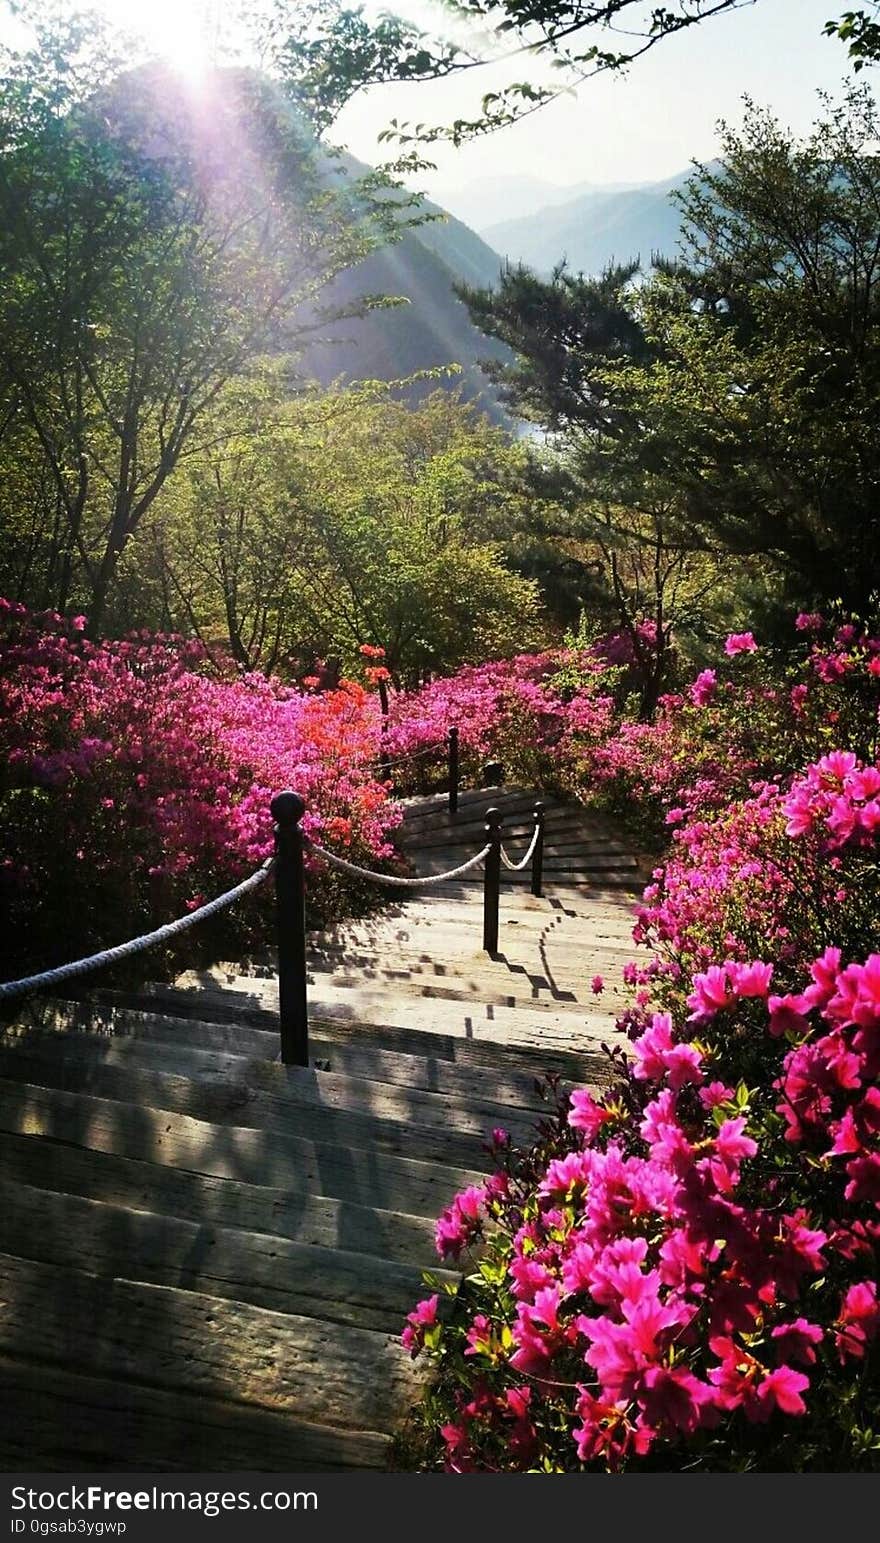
182	32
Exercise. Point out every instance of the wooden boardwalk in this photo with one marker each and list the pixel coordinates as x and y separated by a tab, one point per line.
207	1256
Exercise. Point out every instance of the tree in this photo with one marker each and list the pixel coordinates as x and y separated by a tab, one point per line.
333	50
153	245
769	332
861	33
610	503
735	389
343	519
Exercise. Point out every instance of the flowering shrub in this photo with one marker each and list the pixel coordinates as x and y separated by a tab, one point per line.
523	712
134	787
682	1271
566	719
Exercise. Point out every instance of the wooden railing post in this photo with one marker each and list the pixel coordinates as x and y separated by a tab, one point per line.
290	910
492	881
453	771
538	854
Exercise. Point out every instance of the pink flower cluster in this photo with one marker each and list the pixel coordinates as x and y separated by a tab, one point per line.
664	1271
839	796
479	701
154	778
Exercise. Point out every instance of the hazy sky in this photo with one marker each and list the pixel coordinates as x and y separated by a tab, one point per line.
643	127
646	126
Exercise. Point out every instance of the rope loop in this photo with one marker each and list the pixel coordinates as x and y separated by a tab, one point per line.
524	862
345	866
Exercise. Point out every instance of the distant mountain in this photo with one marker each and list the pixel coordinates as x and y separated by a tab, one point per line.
488	201
595	228
432	328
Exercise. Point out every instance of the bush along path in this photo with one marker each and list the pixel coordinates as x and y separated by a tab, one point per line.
208	1257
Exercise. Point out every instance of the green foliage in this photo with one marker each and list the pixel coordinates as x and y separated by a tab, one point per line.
725	408
332	49
344	519
152	250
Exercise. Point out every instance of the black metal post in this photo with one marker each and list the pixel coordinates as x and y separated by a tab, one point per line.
453	771
290	910
492	881
538	854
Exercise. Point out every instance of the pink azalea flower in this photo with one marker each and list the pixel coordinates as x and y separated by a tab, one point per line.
787	1015
673	1399
479	1336
713	992
796	1341
703	688
740	643
858	1321
782	1390
750	980
423	1317
586	1114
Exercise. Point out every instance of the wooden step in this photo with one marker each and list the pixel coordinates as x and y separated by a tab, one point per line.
212	1200
330	1284
278	1089
602	887
293	1164
354	974
561	837
582	1027
223	1005
115	1069
473	803
363	1061
442	859
162	1337
73	1422
462	963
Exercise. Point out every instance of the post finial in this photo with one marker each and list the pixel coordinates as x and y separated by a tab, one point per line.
287	808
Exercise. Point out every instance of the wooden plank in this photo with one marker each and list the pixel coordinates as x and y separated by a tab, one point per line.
558	834
468	829
114	1069
472	804
366	1062
374	1001
303	1168
279	1090
555	868
114	1240
325	1373
216	1200
70	1422
226	1006
464	989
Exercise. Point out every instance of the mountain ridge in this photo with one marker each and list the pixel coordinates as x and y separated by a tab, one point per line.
595	228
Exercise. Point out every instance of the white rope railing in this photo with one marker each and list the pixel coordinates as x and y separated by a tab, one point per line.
356	872
524	862
137	945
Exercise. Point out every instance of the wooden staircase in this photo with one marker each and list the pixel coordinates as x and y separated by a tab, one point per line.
207	1257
